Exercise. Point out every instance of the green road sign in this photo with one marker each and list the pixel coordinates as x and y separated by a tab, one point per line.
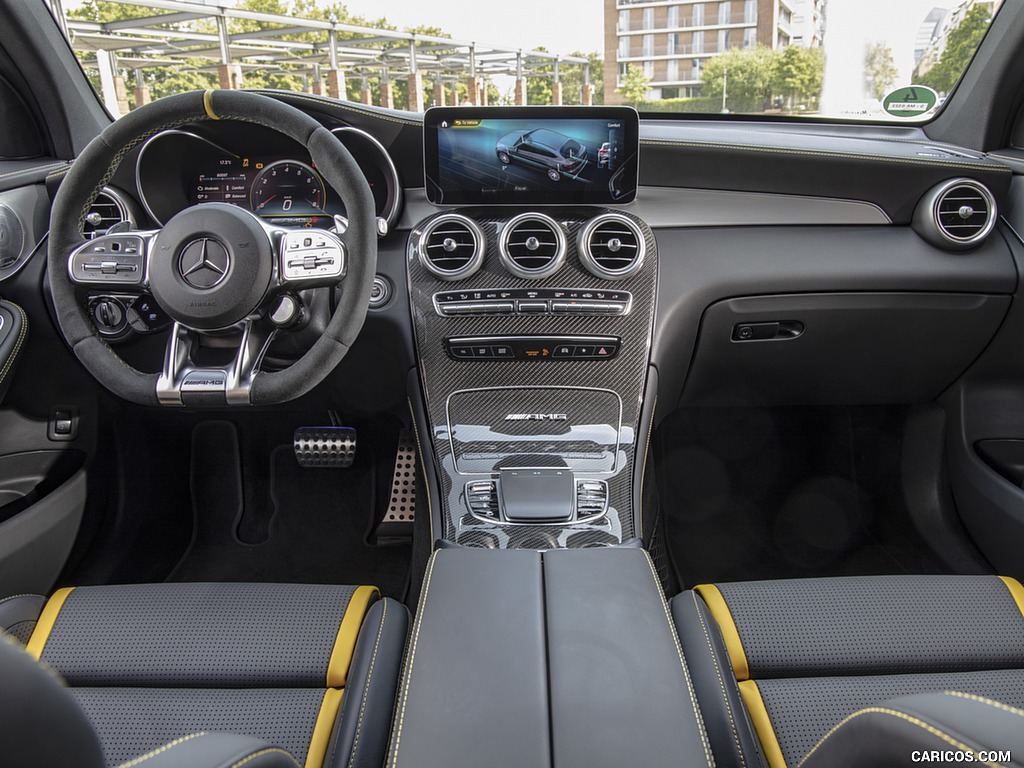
910	101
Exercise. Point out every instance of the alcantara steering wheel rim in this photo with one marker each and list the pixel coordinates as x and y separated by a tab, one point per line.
213	266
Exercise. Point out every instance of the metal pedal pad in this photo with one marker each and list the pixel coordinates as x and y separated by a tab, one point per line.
402	507
325	447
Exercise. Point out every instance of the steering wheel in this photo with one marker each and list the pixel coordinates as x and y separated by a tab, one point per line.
214	267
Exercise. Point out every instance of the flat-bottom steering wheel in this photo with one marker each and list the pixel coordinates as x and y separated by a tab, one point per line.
213	267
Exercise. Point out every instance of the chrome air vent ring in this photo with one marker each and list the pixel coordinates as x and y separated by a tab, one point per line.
611	246
451	247
957	214
532	246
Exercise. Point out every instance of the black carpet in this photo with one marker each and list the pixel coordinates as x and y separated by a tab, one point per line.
752	493
259	516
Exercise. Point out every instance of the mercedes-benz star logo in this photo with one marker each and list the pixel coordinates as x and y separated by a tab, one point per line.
203	263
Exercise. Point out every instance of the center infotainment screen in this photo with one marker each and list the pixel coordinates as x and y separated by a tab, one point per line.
530	155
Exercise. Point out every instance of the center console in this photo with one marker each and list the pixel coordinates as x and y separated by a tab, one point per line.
533	332
532	309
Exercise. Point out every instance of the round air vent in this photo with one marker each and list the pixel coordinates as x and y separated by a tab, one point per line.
611	246
451	247
532	245
108	209
957	214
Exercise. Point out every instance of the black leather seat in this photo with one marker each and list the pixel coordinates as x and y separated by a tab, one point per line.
856	671
297	673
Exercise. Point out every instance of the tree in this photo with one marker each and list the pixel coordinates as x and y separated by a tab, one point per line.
879	69
751	72
634	85
798	73
961	44
572	78
538	88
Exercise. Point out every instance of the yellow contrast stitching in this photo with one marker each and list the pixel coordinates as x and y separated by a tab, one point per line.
952	741
682	662
17	345
267	751
822	153
161	750
643	468
721	680
407	683
34	169
366	688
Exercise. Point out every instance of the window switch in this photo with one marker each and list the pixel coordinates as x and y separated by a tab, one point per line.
63	423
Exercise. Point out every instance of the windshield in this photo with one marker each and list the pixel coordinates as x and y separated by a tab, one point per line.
853	59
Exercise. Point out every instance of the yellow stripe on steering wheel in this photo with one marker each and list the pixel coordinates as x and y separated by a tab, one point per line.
208	105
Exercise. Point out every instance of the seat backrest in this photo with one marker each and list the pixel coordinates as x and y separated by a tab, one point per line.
40	724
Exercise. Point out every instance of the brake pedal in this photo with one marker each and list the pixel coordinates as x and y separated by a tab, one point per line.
325	447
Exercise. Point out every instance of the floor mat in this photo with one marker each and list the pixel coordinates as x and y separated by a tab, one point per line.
268	519
753	493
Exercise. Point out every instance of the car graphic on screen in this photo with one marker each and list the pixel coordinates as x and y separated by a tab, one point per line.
555	153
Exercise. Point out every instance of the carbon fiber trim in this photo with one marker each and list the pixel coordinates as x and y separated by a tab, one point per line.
623	375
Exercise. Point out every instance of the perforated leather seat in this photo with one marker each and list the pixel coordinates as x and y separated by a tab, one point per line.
308	669
856	671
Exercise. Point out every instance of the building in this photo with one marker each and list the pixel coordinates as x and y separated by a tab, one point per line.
931	48
928	31
808	23
672	39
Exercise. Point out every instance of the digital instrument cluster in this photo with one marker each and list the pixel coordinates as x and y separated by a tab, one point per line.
289	192
259	170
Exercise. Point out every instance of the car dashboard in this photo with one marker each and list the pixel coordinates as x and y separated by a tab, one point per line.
781	265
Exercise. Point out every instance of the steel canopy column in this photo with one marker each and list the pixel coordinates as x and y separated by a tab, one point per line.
141	90
229	77
387	98
415	81
556	87
105	63
336	86
472	86
439	92
520	80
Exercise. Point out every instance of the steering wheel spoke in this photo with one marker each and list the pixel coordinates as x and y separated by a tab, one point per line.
309	258
114	260
183	382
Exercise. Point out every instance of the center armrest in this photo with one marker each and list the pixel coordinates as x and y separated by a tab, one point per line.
561	658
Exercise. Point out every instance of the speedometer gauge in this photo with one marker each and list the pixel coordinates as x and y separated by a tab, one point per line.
287	188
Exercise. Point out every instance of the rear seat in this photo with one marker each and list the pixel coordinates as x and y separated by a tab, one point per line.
899	662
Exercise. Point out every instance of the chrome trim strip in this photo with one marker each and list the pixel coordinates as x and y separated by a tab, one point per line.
688	207
142	153
451	442
391	215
